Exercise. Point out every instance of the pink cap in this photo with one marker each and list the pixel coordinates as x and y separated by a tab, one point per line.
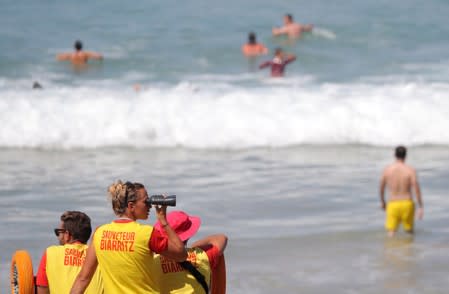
184	225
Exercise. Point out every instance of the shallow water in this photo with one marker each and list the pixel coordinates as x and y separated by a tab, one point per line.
299	220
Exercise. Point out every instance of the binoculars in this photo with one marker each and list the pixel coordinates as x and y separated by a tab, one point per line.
161	200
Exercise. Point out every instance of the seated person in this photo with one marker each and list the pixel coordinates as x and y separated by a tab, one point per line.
194	274
60	264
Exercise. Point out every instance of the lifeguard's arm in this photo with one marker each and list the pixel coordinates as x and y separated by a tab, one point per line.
63	56
279	31
94	55
175	249
41	276
220	241
265	64
87	271
383	183
417	189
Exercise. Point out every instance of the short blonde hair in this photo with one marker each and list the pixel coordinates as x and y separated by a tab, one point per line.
121	193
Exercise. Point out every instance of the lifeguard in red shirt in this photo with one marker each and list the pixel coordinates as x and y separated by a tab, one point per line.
123	249
193	275
60	264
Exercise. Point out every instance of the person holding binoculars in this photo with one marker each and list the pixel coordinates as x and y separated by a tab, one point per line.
123	249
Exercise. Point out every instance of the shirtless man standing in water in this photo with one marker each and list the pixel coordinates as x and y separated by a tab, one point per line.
291	28
79	57
401	179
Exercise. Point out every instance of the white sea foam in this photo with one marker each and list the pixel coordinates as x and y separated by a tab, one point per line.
200	115
324	33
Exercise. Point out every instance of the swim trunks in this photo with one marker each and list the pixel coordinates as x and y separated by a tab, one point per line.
401	211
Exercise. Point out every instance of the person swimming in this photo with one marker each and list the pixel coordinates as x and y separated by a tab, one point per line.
292	29
37	85
252	48
79	57
278	63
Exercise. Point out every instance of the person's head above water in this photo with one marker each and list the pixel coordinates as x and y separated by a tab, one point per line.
252	38
400	152
288	18
36	85
78	45
278	52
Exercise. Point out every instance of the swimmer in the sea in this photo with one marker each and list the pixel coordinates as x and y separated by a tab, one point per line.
252	48
79	57
292	29
37	85
278	63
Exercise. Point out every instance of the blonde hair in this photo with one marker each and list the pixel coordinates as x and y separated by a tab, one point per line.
121	193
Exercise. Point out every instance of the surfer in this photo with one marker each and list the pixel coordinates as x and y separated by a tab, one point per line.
278	63
60	264
79	57
203	257
291	28
252	48
400	179
123	249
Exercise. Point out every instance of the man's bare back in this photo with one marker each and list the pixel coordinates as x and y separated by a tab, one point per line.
401	181
253	48
79	57
399	178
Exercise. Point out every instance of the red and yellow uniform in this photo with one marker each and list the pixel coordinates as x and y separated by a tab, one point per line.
124	250
59	267
175	279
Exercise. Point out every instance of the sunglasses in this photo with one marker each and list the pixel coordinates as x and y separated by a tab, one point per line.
59	231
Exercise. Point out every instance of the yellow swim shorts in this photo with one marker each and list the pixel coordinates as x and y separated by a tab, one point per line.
401	211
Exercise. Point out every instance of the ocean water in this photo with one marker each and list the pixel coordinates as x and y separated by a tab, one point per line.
287	168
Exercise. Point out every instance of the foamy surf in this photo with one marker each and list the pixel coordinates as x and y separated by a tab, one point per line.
324	33
195	115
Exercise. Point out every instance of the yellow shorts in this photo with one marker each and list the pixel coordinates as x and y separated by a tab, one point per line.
401	211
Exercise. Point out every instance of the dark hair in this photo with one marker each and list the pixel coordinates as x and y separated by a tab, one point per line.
78	45
36	85
277	50
289	16
252	38
78	225
400	152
